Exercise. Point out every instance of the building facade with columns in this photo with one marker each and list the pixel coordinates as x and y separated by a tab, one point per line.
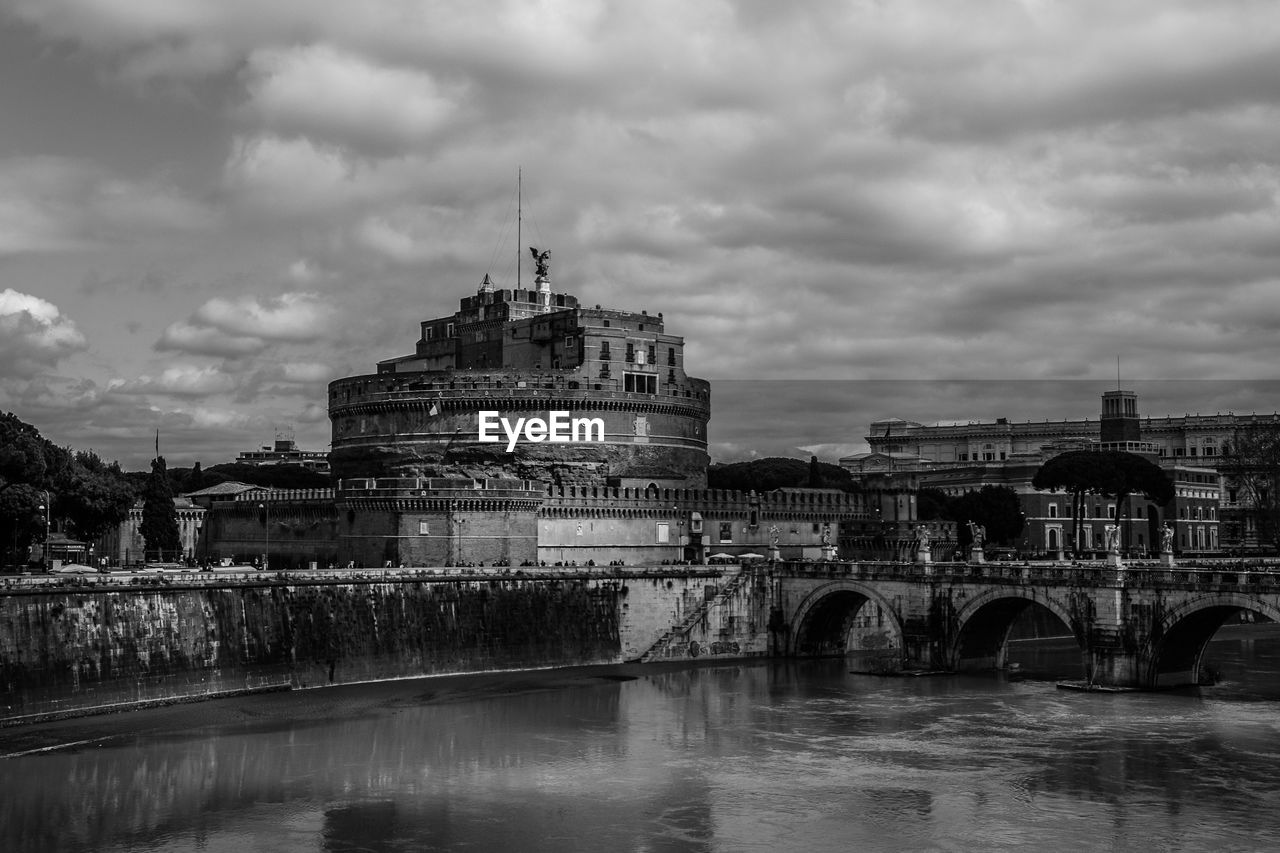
956	458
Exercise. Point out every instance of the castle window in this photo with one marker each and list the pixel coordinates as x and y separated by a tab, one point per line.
653	358
640	383
1053	510
428	333
448	330
604	351
631	352
671	355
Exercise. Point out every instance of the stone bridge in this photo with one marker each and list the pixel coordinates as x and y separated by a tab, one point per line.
1138	626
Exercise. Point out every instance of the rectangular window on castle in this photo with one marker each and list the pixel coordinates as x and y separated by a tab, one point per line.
671	355
726	531
653	356
631	352
641	383
664	532
424	528
604	351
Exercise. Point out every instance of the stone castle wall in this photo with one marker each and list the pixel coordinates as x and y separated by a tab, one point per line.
67	649
295	528
402	425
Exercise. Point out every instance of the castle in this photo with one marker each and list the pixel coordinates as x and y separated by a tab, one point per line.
423	476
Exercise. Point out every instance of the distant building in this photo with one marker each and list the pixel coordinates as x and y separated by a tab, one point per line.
956	457
125	546
285	452
227	491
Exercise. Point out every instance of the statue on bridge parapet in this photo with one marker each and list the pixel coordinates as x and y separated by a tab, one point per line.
1166	544
923	552
1112	540
775	554
828	550
978	538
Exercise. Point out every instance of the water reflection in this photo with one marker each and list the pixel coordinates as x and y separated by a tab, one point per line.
786	756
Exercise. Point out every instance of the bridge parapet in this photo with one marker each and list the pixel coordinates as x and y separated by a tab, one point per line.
1137	626
1152	576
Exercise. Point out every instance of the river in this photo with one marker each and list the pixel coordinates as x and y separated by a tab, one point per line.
770	756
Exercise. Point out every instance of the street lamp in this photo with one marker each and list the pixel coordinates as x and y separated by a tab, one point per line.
266	557
45	550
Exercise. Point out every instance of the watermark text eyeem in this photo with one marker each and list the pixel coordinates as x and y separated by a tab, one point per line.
558	428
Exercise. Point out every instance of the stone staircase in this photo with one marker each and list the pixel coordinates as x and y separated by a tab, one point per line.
699	613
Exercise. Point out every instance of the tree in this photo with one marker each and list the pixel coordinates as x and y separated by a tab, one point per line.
29	466
195	480
996	508
273	476
1107	472
23	454
93	496
773	472
1251	464
933	504
159	518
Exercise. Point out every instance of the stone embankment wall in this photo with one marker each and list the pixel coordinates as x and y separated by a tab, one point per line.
73	648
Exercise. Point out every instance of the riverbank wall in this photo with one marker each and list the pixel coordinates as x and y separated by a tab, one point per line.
70	646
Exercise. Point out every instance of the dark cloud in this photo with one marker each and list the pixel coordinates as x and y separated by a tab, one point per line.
1004	191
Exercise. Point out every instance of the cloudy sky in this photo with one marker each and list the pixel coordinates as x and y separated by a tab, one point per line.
210	208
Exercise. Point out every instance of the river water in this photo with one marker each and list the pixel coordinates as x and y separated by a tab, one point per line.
777	756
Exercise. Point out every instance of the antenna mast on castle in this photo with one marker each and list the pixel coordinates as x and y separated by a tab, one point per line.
519	221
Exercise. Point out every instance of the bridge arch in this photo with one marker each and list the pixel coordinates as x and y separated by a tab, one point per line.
1177	642
981	635
834	619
